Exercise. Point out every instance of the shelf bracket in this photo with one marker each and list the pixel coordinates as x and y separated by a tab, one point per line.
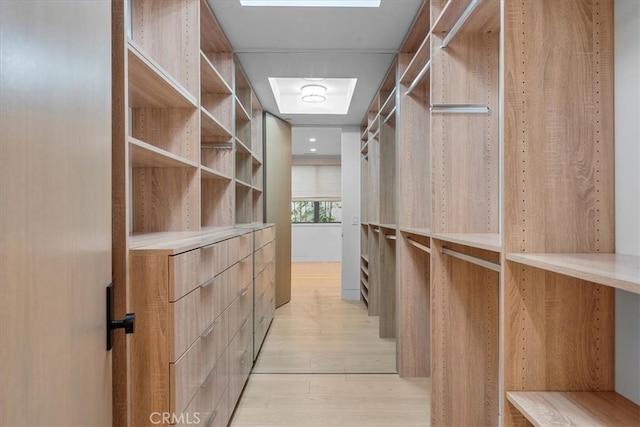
473	260
390	237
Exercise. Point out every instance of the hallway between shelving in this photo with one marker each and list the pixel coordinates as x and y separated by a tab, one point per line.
322	364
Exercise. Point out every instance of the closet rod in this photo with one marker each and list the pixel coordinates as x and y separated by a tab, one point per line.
460	22
460	108
477	261
419	245
388	100
375	134
390	236
391	113
226	146
419	77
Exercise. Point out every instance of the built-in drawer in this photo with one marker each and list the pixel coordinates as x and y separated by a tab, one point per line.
223	410
245	245
185	378
245	273
186	326
184	274
264	256
214	342
265	236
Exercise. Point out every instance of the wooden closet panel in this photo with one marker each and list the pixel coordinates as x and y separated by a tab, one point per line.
166	199
558	183
172	129
465	301
465	153
169	31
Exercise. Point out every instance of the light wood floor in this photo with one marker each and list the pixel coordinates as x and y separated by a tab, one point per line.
322	364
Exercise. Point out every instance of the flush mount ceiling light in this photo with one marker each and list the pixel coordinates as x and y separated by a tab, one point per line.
312	140
313	150
312	3
314	94
287	92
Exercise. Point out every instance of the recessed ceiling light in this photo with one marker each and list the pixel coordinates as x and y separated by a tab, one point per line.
313	150
312	140
312	3
313	79
314	94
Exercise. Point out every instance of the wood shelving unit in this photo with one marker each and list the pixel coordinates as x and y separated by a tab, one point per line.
187	169
503	211
575	408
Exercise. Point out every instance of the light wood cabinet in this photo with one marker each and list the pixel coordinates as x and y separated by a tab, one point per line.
505	271
187	172
264	285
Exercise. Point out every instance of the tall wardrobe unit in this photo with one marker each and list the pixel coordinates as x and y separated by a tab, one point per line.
192	258
500	200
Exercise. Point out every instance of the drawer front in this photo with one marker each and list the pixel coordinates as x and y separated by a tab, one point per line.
216	295
245	245
245	273
223	411
208	262
185	378
265	236
184	274
214	342
187	322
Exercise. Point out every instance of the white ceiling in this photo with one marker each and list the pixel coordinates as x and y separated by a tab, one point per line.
317	42
328	141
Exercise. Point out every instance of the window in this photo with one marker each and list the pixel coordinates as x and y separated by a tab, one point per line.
313	212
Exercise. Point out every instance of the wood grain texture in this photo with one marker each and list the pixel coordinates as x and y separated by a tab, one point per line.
615	270
143	73
218	157
414	163
185	378
217	203
149	346
120	208
388	174
55	212
413	308
598	409
184	274
211	80
185	322
143	155
444	14
166	199
387	287
558	194
213	129
419	30
278	199
212	38
465	155
175	130
464	364
155	25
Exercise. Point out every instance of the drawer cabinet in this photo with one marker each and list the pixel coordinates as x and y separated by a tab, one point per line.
264	285
192	350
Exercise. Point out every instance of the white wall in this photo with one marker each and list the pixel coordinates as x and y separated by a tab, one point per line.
627	146
316	242
351	213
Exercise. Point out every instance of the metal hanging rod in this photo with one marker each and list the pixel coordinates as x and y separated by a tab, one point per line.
460	108
477	261
375	134
460	22
419	77
391	113
390	237
216	147
419	245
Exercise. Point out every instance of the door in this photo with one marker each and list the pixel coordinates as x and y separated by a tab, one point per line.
278	199
55	212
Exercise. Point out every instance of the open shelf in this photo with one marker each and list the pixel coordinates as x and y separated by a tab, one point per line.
388	226
241	183
425	232
365	270
602	408
145	155
208	173
487	241
365	258
211	127
211	79
418	61
365	283
151	86
615	270
241	112
468	16
241	147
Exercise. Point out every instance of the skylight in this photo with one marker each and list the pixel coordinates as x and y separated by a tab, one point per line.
312	3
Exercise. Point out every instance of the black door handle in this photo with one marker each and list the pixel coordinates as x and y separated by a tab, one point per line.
128	323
